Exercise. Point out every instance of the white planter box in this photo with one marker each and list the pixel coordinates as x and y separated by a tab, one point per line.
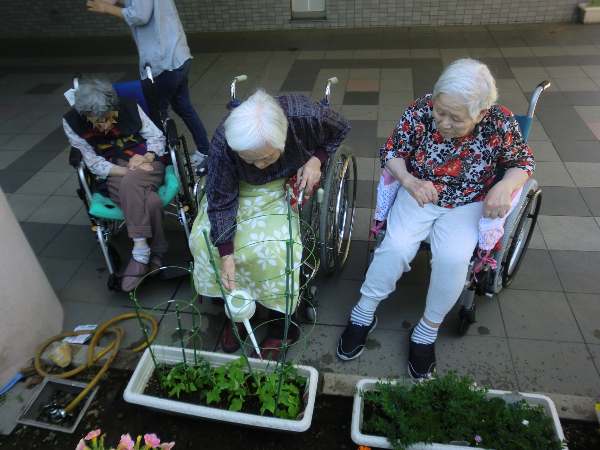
368	384
134	392
589	14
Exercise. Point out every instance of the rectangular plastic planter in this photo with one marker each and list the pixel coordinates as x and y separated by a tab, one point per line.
368	384
134	392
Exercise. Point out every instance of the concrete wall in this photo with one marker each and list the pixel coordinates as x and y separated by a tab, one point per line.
27	18
29	311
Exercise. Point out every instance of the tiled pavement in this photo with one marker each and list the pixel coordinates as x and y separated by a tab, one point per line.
542	334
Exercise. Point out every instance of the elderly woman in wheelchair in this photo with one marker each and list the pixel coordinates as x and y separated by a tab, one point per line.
261	144
445	152
122	146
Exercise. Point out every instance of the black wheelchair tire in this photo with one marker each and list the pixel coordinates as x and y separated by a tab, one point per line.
530	212
115	258
333	252
466	318
113	283
183	167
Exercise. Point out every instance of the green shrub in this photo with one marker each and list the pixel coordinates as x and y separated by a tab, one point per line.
451	408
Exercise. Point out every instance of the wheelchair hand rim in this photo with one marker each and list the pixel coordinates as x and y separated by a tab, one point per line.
347	221
525	229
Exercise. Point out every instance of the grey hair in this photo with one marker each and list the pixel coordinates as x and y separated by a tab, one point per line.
257	122
471	81
95	97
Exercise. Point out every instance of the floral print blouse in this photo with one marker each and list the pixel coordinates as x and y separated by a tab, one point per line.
462	169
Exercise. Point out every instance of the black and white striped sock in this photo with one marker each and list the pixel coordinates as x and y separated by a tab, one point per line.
363	312
424	334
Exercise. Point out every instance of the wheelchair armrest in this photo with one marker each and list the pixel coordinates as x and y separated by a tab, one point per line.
75	157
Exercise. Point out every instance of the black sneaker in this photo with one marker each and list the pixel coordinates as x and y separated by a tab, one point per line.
421	360
352	341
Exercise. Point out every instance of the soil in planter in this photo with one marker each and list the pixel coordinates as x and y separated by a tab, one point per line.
108	411
251	403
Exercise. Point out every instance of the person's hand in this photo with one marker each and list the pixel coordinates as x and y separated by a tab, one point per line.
308	176
147	167
228	272
498	200
98	6
421	190
135	161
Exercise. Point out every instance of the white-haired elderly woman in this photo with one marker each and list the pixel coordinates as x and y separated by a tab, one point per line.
445	151
261	144
122	146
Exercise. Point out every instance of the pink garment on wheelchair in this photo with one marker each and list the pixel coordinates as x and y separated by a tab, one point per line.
492	230
386	194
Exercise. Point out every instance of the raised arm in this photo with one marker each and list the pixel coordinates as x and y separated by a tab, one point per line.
136	14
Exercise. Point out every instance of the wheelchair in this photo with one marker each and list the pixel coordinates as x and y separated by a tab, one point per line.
176	192
327	217
518	231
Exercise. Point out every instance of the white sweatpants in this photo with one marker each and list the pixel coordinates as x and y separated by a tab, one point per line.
453	235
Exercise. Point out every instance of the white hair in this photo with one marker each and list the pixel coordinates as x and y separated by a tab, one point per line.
470	81
257	122
95	97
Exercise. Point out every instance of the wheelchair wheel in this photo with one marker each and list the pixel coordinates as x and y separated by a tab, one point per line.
519	230
184	171
114	257
337	212
113	283
466	317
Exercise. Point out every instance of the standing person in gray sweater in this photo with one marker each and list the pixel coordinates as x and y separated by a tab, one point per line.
162	44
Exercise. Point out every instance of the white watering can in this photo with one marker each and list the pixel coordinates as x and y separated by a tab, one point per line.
240	308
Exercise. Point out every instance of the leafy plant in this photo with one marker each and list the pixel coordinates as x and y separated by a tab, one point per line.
278	392
289	403
231	380
452	408
184	378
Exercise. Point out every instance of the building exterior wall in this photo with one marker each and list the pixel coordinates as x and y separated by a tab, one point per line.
27	18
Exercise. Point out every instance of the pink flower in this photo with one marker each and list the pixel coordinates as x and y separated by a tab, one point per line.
126	443
478	439
167	446
151	440
81	445
92	434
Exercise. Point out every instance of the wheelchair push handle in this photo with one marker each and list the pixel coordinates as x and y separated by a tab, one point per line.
535	96
331	81
148	69
238	79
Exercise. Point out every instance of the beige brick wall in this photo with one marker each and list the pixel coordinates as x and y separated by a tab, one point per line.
69	17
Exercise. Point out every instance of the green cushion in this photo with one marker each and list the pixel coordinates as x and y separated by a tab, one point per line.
104	208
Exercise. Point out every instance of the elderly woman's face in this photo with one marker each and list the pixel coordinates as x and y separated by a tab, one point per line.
261	158
104	123
452	117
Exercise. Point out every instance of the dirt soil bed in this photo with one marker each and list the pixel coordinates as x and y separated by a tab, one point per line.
330	428
108	411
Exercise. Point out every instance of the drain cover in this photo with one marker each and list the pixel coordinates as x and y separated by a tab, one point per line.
45	410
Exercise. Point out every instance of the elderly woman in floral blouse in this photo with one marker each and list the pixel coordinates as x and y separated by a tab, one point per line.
259	146
445	151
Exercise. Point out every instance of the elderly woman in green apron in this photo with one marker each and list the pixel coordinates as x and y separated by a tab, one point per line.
259	146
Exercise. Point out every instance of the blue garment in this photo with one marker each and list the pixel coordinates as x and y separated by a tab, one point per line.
158	34
172	88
